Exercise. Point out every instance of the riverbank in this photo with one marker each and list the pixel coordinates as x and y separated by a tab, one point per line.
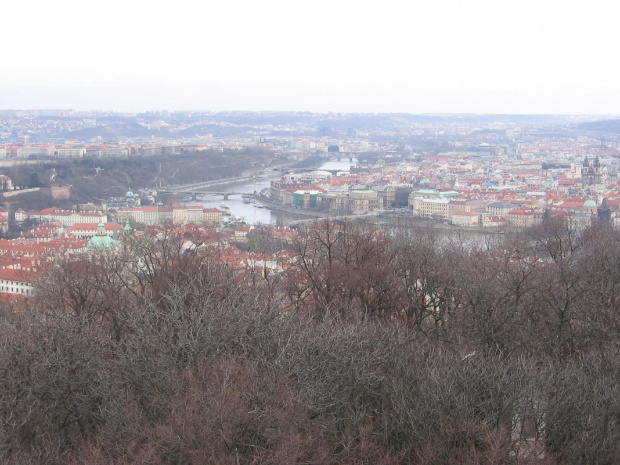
288	209
274	213
381	219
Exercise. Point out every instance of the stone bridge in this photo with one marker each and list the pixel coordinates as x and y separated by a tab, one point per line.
195	194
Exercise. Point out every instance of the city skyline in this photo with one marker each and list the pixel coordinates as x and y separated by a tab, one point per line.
448	57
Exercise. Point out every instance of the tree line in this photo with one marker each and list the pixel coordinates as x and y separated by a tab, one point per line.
371	346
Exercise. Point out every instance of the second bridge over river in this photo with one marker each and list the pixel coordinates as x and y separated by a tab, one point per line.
194	194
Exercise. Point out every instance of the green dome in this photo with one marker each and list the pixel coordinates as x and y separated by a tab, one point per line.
589	204
101	242
101	239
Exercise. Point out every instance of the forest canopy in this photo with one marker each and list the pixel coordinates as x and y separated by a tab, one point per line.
369	347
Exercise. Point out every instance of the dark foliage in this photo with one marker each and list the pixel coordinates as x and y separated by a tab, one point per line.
371	348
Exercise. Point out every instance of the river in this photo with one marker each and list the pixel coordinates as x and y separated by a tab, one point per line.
247	211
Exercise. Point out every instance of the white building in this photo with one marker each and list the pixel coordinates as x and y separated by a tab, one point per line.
70	152
16	282
65	217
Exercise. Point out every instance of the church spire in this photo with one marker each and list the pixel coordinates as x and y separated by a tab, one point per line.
127	230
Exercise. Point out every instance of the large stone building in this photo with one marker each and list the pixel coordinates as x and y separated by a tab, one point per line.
70	152
196	214
150	216
362	200
443	209
387	194
88	230
65	217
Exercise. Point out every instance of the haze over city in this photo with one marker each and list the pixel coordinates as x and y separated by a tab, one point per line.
391	56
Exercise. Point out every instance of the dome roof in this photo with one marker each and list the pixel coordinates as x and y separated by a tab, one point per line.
101	239
589	204
101	242
129	194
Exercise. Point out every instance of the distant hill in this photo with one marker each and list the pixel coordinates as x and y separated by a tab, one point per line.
217	130
114	130
608	125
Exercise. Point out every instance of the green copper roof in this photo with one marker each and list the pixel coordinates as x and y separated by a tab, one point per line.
101	239
127	230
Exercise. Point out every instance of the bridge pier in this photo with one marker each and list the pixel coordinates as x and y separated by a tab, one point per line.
194	196
225	196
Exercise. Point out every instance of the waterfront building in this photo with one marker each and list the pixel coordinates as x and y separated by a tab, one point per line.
89	230
362	200
464	218
195	214
387	194
443	209
305	198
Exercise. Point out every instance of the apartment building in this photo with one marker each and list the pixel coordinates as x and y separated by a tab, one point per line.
524	218
133	214
212	216
104	152
192	214
501	208
70	152
26	152
156	215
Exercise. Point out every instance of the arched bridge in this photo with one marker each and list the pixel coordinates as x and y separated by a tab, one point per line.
195	194
310	170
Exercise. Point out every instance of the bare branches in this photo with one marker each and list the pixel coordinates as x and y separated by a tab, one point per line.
364	348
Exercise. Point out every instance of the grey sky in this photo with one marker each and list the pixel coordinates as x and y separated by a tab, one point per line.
384	56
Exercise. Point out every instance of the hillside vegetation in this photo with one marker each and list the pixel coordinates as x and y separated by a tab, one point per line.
107	177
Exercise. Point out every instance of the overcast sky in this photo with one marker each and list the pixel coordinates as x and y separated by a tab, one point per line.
525	56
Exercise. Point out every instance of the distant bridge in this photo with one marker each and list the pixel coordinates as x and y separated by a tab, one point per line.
309	170
195	194
339	155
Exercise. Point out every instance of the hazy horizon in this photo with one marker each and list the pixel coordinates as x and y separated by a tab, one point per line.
480	56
